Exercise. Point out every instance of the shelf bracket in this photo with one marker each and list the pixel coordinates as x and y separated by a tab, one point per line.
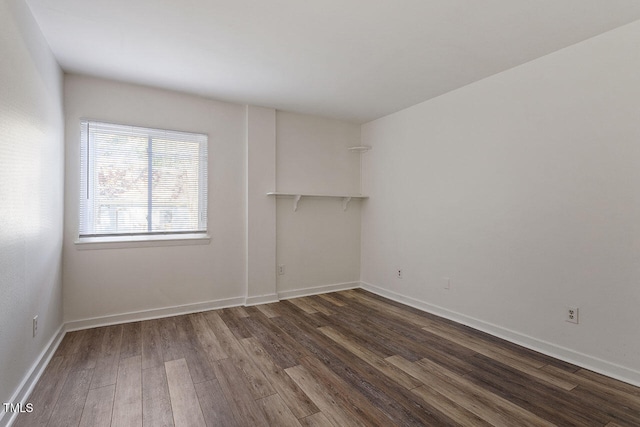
345	203
296	199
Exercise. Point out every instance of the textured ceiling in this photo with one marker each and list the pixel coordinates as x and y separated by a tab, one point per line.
351	59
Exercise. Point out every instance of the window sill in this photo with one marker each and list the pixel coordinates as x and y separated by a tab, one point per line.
124	242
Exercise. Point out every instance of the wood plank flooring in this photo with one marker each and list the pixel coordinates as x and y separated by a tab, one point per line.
348	358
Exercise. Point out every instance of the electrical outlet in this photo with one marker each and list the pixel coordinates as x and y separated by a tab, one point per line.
399	273
446	282
572	314
35	326
281	269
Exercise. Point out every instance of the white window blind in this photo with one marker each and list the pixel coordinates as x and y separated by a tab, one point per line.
141	181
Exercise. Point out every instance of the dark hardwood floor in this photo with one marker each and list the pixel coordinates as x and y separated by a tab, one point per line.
348	358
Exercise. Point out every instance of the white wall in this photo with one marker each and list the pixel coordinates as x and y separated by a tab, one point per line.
252	151
312	155
107	282
319	244
261	210
31	173
522	188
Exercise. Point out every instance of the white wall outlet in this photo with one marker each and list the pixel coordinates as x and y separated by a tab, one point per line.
399	273
446	283
281	269
35	326
572	314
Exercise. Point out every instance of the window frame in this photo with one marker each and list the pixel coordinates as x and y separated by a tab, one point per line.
138	239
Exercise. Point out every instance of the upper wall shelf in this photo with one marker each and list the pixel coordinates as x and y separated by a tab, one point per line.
346	198
360	148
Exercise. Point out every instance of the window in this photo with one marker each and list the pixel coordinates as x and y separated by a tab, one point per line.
138	182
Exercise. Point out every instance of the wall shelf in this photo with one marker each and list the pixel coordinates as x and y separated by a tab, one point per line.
346	198
360	148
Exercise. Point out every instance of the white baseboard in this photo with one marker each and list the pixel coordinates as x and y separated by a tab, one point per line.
586	361
318	290
261	299
134	316
156	313
31	378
